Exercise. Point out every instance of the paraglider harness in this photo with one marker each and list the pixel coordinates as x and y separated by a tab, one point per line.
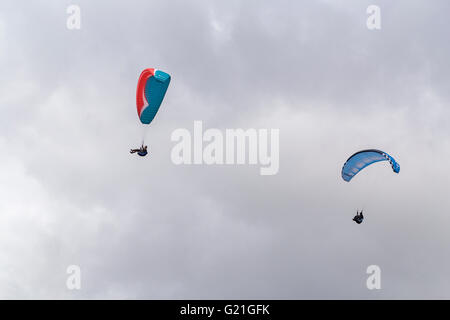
359	217
142	151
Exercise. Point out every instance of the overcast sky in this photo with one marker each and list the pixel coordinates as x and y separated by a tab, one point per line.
71	194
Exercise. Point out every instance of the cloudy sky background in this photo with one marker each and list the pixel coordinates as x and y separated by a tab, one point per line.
145	228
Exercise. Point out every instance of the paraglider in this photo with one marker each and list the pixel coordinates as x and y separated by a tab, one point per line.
359	217
361	160
151	89
142	151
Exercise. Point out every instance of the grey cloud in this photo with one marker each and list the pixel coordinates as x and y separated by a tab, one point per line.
145	228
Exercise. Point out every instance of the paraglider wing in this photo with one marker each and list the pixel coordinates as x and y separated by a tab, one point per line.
364	158
151	88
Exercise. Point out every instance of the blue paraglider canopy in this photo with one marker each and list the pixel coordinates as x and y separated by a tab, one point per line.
364	158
